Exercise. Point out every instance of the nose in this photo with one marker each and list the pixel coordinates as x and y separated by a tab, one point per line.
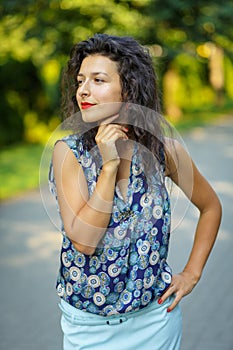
84	89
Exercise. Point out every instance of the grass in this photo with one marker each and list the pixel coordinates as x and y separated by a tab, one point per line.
19	170
202	116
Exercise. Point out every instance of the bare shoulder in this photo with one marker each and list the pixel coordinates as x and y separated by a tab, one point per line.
172	146
60	149
64	162
69	175
175	155
63	152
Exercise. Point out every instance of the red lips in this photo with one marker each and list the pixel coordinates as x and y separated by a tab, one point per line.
86	105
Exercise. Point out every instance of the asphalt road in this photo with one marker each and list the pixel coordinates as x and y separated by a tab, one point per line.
29	259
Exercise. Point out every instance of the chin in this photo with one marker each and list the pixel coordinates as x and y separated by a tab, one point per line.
99	113
88	117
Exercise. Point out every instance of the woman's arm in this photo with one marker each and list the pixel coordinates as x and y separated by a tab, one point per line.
185	174
85	219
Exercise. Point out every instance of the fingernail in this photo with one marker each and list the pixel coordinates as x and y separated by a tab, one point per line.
160	301
169	310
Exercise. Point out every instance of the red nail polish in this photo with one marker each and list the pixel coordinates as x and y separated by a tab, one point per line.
169	310
160	301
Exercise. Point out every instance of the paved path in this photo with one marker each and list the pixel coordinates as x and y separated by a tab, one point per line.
29	245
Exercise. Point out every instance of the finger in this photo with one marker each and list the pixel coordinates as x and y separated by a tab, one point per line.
106	127
116	135
174	303
170	291
111	135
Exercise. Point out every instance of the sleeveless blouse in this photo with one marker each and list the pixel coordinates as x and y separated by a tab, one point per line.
128	269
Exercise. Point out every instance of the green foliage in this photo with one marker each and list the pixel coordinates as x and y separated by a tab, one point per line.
180	25
229	77
37	35
20	91
185	85
36	38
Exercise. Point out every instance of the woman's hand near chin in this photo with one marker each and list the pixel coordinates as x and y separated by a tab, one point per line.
106	138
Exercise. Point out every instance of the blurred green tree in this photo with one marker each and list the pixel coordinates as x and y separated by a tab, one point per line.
201	33
36	37
182	25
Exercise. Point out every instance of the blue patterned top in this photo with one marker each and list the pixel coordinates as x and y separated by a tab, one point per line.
128	269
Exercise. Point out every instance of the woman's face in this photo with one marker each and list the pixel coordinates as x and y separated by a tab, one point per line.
99	89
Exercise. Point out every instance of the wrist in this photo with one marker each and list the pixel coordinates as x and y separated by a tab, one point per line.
193	275
111	167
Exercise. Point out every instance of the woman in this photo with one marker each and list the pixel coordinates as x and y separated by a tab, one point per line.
117	290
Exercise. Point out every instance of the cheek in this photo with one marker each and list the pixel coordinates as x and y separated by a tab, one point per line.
77	97
113	95
118	93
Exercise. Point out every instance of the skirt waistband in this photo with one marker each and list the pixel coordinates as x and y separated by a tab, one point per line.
80	317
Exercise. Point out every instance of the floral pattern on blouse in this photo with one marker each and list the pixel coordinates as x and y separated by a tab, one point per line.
128	269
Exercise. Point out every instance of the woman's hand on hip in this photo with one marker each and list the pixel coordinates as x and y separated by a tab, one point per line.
181	285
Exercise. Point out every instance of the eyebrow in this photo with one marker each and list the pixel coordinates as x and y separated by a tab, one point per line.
94	73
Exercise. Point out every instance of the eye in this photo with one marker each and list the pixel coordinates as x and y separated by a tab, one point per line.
99	80
79	82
